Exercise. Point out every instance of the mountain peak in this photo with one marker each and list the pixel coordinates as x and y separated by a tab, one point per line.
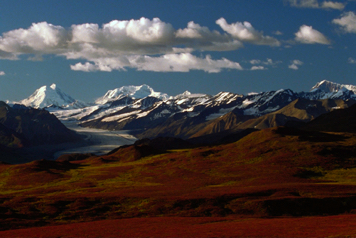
46	96
329	87
136	92
53	86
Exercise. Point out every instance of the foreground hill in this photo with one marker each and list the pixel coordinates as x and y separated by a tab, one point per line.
272	172
320	226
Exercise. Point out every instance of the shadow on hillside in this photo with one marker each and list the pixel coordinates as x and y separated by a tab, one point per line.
53	167
312	136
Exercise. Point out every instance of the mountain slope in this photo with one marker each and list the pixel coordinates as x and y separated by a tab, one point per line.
33	126
302	110
335	121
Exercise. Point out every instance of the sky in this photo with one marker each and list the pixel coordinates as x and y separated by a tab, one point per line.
87	47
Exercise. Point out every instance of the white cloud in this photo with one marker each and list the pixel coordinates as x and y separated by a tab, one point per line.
183	62
255	61
196	36
271	62
258	67
278	33
347	22
304	3
315	4
106	64
308	35
245	32
295	64
2	73
88	67
142	44
352	60
333	5
268	61
40	38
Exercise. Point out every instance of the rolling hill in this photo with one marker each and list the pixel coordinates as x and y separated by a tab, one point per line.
275	172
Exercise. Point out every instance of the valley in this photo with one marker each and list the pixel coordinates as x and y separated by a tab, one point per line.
98	141
226	164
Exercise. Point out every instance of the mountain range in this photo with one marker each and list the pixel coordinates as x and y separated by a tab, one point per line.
300	174
150	114
302	171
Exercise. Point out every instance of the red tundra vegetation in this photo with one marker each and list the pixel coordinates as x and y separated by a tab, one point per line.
274	182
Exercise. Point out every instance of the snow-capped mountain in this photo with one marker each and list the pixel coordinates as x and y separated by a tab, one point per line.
330	87
187	110
141	108
330	90
134	92
51	96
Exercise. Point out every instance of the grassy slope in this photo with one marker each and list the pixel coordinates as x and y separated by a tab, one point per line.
273	172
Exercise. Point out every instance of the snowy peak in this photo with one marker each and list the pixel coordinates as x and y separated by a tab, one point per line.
135	92
49	96
53	86
186	94
330	87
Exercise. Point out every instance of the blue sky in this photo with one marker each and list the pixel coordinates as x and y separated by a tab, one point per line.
241	46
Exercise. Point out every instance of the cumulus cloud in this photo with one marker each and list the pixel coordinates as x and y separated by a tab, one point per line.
271	62
196	36
140	44
333	5
245	32
347	22
268	62
295	64
88	67
2	73
40	38
315	4
255	61
258	67
304	3
183	62
308	35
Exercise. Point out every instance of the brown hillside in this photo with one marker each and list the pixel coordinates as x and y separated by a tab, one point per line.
300	109
272	172
223	123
